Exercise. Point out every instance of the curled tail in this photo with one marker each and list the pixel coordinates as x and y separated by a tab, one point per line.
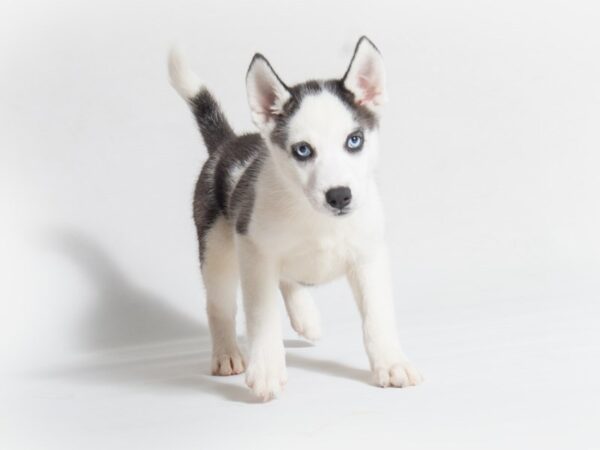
213	125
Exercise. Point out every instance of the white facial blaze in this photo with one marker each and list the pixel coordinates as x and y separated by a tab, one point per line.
325	123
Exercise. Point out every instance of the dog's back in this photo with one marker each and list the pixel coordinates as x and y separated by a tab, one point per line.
225	187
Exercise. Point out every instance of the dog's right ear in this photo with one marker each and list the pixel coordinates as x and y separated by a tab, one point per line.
266	92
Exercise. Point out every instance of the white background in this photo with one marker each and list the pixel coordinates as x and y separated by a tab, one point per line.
490	172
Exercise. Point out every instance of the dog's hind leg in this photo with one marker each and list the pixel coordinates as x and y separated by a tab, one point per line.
220	274
301	308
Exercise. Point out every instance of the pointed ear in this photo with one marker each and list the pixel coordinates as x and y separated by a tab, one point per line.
365	76
266	92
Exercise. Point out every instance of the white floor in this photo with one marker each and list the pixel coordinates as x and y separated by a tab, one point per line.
518	374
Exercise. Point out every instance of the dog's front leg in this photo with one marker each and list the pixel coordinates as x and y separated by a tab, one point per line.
266	372
371	283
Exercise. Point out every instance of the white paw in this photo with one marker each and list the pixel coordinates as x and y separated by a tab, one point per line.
399	374
266	376
304	316
227	363
308	324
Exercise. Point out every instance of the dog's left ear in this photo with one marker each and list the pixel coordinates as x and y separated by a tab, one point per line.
365	76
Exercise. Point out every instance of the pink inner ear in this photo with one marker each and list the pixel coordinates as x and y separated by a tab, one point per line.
267	97
368	82
368	88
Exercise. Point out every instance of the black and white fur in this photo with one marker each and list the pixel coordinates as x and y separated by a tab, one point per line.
280	223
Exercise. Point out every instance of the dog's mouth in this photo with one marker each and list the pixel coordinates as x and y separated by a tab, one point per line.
339	212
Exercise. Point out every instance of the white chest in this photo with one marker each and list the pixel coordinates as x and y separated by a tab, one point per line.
316	261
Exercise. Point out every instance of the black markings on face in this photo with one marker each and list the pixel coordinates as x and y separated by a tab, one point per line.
365	118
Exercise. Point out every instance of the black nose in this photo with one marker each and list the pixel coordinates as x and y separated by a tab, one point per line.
338	197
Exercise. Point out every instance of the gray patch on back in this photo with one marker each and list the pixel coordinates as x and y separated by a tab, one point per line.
226	185
242	197
205	208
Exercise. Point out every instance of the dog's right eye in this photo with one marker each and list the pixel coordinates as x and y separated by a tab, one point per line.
302	151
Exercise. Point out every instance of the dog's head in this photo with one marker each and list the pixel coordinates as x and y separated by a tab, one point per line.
322	134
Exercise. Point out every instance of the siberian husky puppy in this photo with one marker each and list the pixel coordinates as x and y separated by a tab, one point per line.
289	207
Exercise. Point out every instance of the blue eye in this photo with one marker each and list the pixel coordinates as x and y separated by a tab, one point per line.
302	151
355	141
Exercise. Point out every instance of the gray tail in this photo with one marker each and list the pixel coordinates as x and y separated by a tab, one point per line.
214	127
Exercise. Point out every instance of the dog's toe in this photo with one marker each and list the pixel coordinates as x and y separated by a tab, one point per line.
267	377
400	374
228	363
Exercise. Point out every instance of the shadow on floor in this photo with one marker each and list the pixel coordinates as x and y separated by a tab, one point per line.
139	339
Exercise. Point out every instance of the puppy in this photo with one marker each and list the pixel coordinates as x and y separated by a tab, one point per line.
293	206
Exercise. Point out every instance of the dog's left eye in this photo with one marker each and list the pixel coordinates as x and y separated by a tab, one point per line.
355	141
